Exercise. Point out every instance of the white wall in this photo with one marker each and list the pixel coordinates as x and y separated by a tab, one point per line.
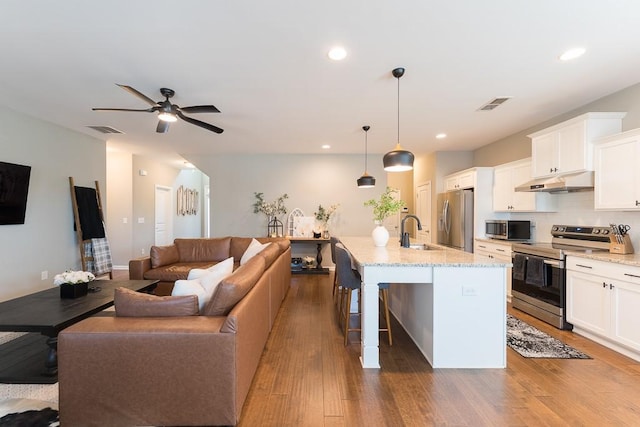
190	225
309	180
47	241
119	216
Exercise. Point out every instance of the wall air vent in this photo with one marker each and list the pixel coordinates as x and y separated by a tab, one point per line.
105	129
496	102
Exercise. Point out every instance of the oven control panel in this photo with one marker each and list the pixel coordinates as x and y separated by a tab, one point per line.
579	231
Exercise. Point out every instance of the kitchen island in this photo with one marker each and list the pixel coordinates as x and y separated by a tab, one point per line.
455	311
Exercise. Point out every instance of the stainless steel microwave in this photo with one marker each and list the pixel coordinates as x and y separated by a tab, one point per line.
506	229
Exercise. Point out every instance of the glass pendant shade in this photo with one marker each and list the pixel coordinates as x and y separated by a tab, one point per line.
366	180
398	160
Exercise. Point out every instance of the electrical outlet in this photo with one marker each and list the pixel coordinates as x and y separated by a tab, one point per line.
142	251
469	291
141	220
44	275
125	220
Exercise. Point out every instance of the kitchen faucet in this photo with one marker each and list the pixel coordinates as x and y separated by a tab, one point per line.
404	236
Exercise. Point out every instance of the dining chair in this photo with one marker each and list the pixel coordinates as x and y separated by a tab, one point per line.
349	281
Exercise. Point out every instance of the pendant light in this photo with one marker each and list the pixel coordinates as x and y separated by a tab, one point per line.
398	160
366	180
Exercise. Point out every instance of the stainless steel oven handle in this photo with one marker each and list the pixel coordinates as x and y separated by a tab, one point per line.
559	264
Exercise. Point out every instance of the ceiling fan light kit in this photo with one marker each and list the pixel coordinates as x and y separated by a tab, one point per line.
366	180
399	159
168	112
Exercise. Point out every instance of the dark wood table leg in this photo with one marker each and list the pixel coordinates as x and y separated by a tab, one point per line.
319	257
51	364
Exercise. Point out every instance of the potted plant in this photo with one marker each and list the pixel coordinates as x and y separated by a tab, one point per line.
271	210
73	284
387	205
323	216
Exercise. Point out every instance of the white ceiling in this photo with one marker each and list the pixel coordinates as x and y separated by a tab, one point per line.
264	65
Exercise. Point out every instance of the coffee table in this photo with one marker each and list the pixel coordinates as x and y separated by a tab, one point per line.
32	358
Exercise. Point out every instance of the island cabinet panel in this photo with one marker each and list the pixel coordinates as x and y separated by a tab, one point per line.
466	303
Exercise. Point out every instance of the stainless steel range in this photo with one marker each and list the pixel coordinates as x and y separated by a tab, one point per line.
538	274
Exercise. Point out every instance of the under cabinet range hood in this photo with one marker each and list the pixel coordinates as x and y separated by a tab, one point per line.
567	183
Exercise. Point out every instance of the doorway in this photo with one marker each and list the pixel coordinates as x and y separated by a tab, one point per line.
164	216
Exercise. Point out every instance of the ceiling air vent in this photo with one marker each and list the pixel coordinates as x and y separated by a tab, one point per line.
105	129
496	102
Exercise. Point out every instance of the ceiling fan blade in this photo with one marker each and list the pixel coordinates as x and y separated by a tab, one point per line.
200	109
140	95
147	110
204	125
163	127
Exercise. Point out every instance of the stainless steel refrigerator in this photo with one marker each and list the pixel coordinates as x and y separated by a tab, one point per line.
455	219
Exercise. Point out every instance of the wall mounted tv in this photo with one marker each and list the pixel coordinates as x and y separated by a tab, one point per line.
14	187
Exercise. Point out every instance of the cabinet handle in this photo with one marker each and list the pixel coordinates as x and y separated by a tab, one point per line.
611	286
550	170
604	285
637	203
584	266
482	246
499	250
632	275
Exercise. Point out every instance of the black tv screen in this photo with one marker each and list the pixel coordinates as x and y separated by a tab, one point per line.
14	187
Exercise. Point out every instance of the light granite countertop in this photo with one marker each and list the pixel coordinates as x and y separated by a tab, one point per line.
392	255
630	259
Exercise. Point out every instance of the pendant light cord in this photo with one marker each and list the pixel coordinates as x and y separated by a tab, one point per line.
398	110
365	150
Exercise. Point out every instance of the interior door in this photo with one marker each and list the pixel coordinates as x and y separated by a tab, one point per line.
164	216
423	211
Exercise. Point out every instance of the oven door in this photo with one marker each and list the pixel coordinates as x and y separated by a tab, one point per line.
541	279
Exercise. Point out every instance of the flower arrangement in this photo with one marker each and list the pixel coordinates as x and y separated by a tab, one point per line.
73	277
386	206
274	208
323	215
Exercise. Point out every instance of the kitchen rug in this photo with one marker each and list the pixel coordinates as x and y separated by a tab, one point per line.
532	343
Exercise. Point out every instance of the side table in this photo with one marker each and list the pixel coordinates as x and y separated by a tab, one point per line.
310	240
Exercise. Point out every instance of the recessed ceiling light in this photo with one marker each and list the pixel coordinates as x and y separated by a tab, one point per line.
326	146
572	54
337	53
441	135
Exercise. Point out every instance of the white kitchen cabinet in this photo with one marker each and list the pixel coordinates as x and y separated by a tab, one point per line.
496	251
603	303
567	147
617	175
505	199
460	180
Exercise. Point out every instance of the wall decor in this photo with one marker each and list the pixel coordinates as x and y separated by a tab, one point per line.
187	201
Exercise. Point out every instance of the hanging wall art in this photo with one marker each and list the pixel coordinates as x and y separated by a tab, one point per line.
187	201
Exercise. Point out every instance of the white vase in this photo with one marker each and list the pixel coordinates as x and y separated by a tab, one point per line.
380	235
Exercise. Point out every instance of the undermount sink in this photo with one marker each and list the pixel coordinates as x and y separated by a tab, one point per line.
419	247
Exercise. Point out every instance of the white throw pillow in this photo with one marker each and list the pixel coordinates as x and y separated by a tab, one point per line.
190	287
197	273
254	248
204	286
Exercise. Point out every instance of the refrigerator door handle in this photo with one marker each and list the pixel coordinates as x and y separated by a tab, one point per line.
447	222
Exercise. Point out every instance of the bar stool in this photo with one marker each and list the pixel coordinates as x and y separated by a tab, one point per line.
350	280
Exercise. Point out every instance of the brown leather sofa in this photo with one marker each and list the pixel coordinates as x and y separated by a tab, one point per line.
187	371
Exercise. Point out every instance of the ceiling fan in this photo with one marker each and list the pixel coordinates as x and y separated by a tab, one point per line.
168	112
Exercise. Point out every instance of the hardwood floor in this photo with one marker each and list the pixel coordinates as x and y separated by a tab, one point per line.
307	377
